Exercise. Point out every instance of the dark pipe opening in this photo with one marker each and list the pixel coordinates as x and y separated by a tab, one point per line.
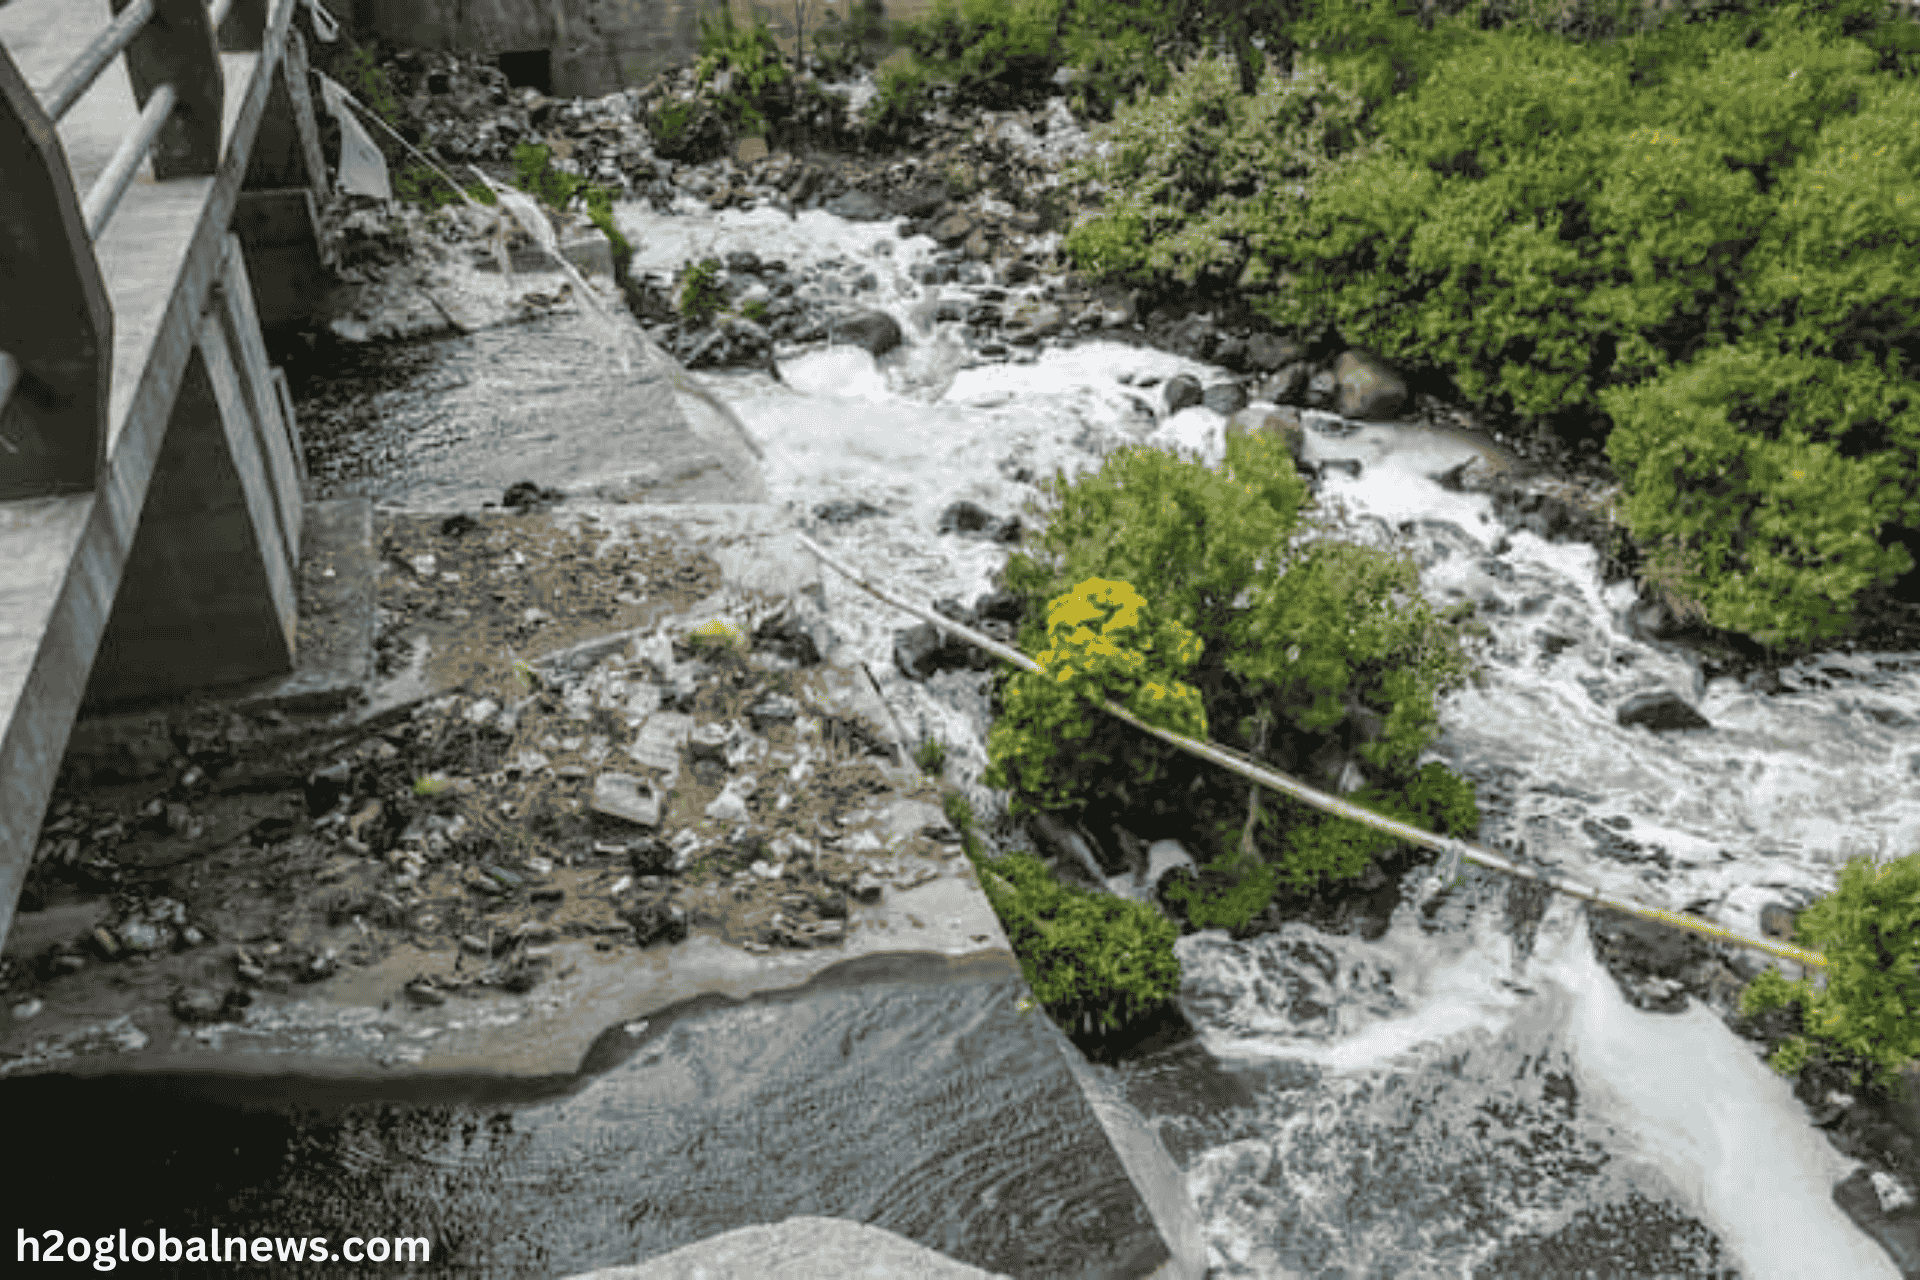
528	69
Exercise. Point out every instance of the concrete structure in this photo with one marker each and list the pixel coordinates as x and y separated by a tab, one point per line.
151	487
587	48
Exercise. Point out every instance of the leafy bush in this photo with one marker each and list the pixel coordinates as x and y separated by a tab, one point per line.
1205	181
1833	273
1084	954
1331	639
997	54
759	81
1103	642
1869	931
701	294
1773	477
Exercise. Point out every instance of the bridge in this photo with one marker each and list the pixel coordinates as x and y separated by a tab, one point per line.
157	156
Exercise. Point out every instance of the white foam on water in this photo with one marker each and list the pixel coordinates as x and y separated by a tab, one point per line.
1714	1118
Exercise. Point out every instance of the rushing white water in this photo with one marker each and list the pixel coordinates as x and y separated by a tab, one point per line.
1461	1093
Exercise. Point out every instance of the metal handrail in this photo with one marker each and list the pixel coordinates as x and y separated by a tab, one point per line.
68	87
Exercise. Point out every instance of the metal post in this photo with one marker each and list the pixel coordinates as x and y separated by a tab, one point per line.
176	47
57	323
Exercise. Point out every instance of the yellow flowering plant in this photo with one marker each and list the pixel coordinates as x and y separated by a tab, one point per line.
1104	641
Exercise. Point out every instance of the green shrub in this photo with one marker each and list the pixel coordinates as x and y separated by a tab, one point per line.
1205	180
841	46
1833	274
931	756
1085	955
1869	1011
1775	477
757	311
701	295
996	54
1331	637
903	95
1104	642
761	81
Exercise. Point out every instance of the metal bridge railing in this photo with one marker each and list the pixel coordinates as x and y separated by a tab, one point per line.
55	359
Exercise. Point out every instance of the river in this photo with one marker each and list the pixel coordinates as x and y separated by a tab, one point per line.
1470	1094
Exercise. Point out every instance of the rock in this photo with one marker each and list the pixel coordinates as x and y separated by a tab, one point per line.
525	495
773	709
1321	389
1270	351
845	512
857	206
952	229
204	1004
749	150
789	637
1369	388
1193	337
1477	474
917	202
1033	322
1164	856
1000	606
866	888
1282	421
709	742
1660	710
1776	921
1182	391
1884	1208
1224	397
29	1008
626	797
1288	386
731	804
971	517
656	920
139	935
876	331
425	993
921	651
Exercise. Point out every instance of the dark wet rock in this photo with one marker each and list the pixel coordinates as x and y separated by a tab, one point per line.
951	229
1369	387
923	650
1270	351
731	341
789	637
1224	397
1650	962
1000	606
857	206
1350	467
1887	1209
1776	921
1321	389
1660	710
1287	386
525	496
875	331
206	1004
743	262
971	517
656	920
1477	474
771	710
1193	337
1182	391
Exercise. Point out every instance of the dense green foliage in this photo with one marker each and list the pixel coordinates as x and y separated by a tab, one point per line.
1330	638
1084	955
701	295
1104	642
759	80
1696	235
1205	182
1869	1011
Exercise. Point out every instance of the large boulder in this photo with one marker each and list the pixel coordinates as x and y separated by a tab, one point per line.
1224	398
1182	391
1269	351
1660	710
857	206
876	331
1369	388
1288	385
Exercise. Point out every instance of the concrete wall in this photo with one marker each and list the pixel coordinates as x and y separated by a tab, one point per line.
596	46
